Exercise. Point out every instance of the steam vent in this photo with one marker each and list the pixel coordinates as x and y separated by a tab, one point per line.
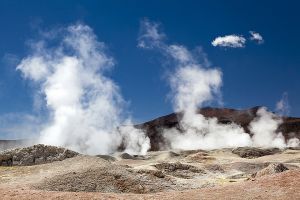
152	100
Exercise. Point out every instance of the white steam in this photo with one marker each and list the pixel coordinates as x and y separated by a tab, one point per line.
282	106
85	106
193	84
264	128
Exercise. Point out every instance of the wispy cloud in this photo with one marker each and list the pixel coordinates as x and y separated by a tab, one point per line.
233	41
149	35
256	37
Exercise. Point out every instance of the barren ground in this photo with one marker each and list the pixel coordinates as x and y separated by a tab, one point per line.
216	174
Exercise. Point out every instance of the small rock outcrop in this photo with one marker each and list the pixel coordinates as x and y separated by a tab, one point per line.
33	155
253	152
126	156
107	157
273	168
180	170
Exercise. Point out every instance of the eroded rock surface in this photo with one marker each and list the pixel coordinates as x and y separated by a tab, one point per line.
273	168
179	169
37	154
253	152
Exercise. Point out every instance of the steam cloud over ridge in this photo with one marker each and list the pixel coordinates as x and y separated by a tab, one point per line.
85	106
194	83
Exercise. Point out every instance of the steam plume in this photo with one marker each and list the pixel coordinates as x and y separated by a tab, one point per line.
264	128
85	106
282	106
193	84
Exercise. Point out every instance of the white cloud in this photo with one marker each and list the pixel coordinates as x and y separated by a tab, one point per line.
256	37
233	41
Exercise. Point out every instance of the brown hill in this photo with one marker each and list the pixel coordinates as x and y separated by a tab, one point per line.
290	126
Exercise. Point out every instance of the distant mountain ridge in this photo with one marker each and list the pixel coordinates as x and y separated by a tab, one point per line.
290	127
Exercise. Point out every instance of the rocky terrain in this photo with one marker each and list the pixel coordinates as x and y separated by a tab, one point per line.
37	154
241	173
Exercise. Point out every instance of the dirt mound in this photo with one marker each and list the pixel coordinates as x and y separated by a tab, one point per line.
253	152
156	173
200	157
214	168
126	156
179	169
271	169
245	167
111	178
37	154
282	186
107	157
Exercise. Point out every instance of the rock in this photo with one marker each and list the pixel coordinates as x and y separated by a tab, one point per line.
193	152
215	168
179	169
132	157
200	157
246	167
273	168
157	173
126	156
170	167
172	154
37	154
107	157
253	152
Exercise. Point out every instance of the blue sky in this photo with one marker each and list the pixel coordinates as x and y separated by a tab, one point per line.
257	74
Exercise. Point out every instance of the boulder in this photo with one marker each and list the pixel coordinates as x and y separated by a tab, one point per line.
273	168
253	152
33	155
